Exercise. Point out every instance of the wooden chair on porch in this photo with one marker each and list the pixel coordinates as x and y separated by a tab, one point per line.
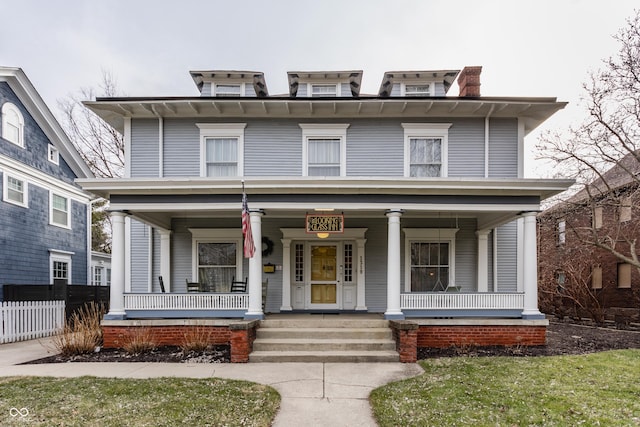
238	286
192	286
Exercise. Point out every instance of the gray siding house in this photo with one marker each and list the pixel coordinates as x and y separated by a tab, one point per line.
410	202
44	214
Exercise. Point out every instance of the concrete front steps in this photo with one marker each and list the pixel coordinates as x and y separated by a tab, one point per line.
310	339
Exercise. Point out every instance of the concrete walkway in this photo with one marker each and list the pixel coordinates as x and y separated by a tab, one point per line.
319	394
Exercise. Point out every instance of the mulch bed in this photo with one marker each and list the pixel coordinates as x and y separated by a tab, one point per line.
562	338
166	354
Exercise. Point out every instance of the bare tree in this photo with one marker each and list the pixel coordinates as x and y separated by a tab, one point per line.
101	147
603	152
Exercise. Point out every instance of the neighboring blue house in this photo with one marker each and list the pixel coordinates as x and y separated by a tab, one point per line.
44	215
409	203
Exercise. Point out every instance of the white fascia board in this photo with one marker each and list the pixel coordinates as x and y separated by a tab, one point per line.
30	98
425	207
41	179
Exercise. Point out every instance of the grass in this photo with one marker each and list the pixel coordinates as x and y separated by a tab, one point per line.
597	389
89	401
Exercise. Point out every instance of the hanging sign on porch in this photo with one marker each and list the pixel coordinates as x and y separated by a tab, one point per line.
325	223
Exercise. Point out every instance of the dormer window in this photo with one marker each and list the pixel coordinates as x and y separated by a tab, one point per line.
324	90
228	90
423	89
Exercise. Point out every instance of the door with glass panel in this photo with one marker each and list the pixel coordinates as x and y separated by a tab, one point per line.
324	275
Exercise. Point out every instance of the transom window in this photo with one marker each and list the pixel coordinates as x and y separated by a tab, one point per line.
429	259
423	89
222	149
15	190
426	149
228	90
59	210
12	124
324	149
319	90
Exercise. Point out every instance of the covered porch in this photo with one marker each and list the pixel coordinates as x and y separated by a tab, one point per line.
372	263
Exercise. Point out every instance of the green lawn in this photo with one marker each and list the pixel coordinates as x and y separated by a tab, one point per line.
89	401
601	389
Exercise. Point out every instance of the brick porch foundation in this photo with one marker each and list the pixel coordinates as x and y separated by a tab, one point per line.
238	334
442	333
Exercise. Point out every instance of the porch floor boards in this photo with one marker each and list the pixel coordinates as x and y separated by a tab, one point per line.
324	338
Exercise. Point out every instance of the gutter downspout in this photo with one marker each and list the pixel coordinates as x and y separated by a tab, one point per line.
486	141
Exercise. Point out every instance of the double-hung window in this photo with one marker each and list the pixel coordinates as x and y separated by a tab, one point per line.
15	190
217	255
59	210
222	149
426	149
12	124
429	259
324	149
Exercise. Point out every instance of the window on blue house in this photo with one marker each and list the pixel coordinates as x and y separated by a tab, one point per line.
59	210
12	124
15	190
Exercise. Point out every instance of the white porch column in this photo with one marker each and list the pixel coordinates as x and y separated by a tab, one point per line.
116	298
255	269
286	275
165	258
483	260
393	266
360	287
530	268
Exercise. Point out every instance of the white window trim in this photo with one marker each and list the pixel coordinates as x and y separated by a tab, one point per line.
215	235
426	130
562	232
5	189
221	130
316	130
403	88
214	88
55	224
6	108
62	256
53	155
433	235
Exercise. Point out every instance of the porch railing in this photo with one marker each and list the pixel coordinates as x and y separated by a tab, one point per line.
191	301
461	301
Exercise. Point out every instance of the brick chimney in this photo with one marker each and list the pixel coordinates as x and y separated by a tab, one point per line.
469	81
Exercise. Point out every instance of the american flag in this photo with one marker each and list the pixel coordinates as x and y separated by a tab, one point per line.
249	247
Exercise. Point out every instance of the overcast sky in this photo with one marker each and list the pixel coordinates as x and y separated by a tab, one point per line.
526	48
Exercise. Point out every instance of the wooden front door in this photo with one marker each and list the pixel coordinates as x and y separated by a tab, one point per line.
324	274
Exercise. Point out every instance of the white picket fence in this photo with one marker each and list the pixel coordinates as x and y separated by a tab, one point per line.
25	320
